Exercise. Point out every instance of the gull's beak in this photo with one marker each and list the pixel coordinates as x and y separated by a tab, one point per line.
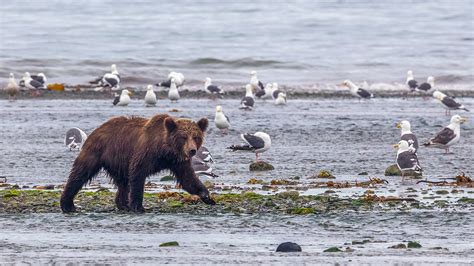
341	85
398	125
463	119
130	93
396	146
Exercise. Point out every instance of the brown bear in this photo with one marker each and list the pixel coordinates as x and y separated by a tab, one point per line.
130	150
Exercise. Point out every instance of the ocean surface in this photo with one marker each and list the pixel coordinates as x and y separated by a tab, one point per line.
298	43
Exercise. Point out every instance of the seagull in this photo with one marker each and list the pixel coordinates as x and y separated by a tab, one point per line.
202	163
255	82
356	91
150	96
281	99
173	93
258	142
221	120
110	80
178	78
276	91
12	87
124	98
40	77
75	138
212	89
449	135
116	99
407	135
265	93
407	160
426	86
32	84
411	82
248	101
448	102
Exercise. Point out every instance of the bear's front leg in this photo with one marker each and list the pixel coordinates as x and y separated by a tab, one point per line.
135	196
186	177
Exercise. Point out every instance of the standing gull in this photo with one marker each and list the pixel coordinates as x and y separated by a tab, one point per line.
150	96
110	80
356	91
202	163
255	82
75	138
449	135
275	91
411	82
178	79
221	120
12	87
212	89
32	84
265	93
407	135
407	160
173	93
448	103
281	99
248	101
124	98
258	142
426	86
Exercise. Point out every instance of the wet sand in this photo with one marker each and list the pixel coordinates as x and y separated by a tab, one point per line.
344	136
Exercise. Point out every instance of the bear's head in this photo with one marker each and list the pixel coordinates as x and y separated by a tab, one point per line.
185	135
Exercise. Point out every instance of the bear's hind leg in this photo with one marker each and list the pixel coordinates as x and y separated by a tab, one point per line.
121	198
83	170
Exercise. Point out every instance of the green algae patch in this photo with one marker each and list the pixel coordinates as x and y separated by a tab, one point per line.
169	244
11	193
466	200
333	249
301	211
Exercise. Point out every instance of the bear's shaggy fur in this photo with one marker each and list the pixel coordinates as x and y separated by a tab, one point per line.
130	150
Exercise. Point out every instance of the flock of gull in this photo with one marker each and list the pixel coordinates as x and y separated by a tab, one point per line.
259	142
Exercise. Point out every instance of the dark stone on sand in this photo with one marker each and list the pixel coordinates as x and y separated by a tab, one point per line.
167	178
363	173
288	247
413	244
398	246
332	249
393	170
170	244
261	166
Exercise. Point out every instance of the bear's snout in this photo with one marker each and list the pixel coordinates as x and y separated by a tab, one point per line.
192	152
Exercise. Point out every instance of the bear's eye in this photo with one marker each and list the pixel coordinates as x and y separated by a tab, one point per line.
197	139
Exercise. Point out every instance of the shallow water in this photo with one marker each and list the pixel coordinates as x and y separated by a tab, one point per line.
290	43
344	136
115	238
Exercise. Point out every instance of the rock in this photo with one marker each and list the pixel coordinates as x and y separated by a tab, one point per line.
170	244
398	246
332	249
167	178
254	181
363	173
323	174
261	166
393	170
349	249
288	247
413	244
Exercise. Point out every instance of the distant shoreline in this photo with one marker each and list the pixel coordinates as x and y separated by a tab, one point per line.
86	93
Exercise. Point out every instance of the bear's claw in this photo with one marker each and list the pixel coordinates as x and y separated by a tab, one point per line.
208	200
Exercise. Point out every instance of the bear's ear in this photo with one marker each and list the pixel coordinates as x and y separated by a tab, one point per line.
170	124
203	123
